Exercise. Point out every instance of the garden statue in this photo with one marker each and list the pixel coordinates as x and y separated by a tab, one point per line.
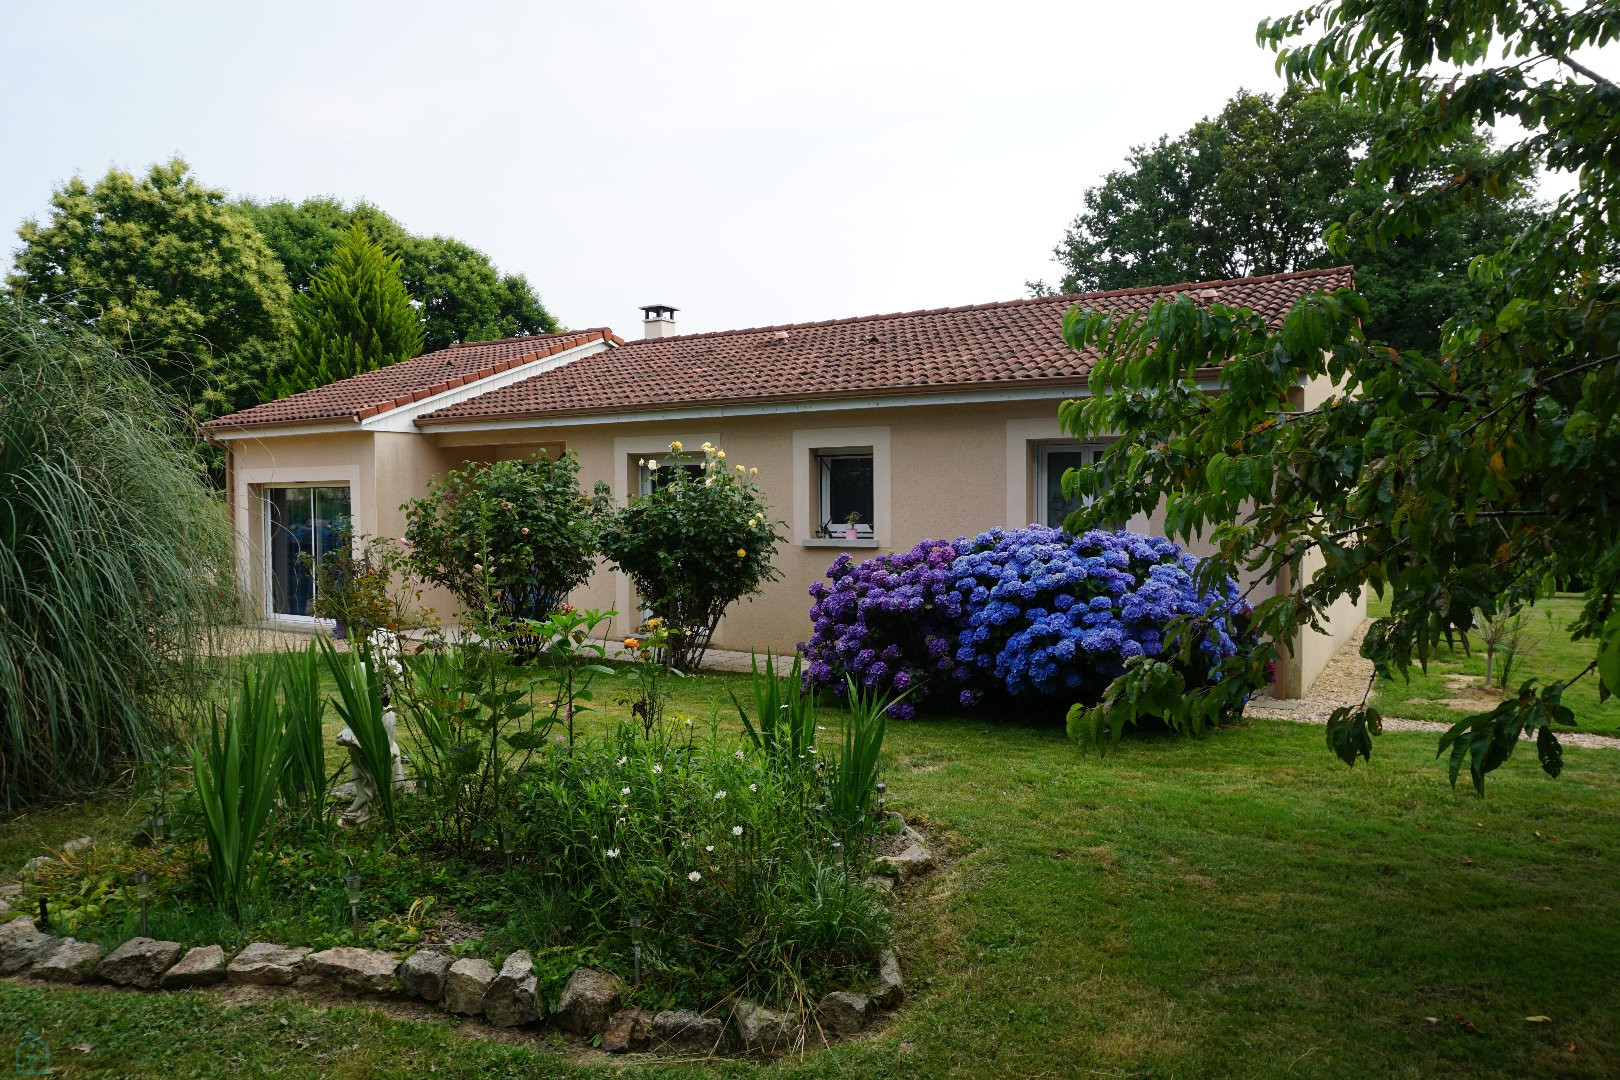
365	785
385	652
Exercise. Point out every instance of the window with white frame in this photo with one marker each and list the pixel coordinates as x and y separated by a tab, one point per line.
1052	460
303	523
846	494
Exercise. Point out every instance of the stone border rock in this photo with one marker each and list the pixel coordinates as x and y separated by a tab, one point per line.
505	997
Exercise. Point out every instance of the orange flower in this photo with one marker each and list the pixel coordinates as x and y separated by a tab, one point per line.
631	643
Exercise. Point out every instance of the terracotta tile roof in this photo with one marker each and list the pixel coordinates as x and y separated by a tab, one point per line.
364	396
1016	343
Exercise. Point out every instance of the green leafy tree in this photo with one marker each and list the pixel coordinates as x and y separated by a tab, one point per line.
166	265
1253	190
356	317
1460	480
697	543
463	296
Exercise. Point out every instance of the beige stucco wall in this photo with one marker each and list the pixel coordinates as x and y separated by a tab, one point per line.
942	471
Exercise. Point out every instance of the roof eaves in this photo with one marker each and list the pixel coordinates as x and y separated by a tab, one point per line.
856	395
367	411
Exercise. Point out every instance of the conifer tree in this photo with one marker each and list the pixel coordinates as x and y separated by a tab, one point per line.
356	317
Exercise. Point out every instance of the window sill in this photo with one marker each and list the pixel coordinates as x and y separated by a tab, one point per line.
819	543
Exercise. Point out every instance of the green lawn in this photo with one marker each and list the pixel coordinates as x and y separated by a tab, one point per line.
1237	905
1546	654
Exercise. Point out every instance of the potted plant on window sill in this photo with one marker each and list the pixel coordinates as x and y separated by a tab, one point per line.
850	532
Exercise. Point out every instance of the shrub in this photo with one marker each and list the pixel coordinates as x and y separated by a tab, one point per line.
115	562
363	585
519	532
1033	614
891	623
695	545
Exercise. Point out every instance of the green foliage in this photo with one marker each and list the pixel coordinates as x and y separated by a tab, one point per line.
362	688
698	543
1252	190
463	296
572	653
648	673
1462	480
304	782
364	584
704	842
854	779
518	534
786	731
470	712
115	562
166	265
355	317
237	770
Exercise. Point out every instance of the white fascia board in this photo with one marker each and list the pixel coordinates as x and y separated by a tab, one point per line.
765	408
404	417
269	432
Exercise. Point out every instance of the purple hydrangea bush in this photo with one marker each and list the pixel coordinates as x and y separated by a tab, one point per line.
891	623
1033	614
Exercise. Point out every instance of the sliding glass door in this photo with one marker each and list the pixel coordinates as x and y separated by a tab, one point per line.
303	524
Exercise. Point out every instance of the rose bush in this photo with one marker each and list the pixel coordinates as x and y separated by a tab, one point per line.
697	543
519	534
1031	614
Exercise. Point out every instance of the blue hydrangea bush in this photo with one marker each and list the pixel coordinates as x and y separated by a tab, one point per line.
1034	615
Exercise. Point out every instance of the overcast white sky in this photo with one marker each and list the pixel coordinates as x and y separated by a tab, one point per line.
749	163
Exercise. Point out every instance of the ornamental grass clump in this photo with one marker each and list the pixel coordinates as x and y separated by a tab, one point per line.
1033	614
701	540
115	563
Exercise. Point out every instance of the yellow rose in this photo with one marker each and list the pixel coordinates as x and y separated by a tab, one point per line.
721	454
676	446
742	553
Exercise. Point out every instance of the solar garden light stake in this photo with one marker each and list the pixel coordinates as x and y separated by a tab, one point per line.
352	885
506	846
143	889
635	945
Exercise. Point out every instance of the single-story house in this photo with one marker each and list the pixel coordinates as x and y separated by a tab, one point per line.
923	424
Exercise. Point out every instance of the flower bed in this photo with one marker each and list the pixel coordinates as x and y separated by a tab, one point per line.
723	879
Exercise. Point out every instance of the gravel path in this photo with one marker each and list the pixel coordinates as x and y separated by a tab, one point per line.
1345	680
